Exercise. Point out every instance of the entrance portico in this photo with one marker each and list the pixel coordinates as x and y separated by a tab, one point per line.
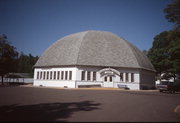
107	75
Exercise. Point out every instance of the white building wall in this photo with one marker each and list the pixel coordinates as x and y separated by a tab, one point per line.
76	77
116	79
136	77
35	73
91	69
55	82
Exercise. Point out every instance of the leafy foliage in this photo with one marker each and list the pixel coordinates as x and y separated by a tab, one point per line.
26	63
8	56
165	53
173	13
11	61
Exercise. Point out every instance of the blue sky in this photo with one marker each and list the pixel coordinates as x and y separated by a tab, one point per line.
33	25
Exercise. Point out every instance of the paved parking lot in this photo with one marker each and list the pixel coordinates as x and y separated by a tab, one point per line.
78	105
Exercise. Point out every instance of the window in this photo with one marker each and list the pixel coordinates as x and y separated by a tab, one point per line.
132	77
51	75
58	74
37	75
88	75
105	79
40	75
44	75
94	76
70	75
110	78
121	77
66	75
54	75
47	75
127	77
83	75
62	75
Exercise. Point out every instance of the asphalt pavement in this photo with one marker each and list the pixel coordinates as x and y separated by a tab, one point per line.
41	104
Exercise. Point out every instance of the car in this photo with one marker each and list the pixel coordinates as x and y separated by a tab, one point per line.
171	87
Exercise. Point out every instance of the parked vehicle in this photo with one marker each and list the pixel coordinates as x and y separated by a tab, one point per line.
171	87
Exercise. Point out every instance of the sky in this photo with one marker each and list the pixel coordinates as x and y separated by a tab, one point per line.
34	25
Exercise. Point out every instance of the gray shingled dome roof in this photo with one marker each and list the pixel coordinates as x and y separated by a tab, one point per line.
94	48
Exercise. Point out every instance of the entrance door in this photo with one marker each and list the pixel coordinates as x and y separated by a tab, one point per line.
108	81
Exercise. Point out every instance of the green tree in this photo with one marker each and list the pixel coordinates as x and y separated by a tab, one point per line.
165	54
26	63
31	60
8	57
172	12
174	56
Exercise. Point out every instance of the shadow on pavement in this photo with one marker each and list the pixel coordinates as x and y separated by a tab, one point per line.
45	111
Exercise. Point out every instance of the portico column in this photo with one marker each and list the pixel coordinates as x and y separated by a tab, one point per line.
124	77
52	75
56	75
85	76
98	77
64	75
108	79
67	75
91	79
129	77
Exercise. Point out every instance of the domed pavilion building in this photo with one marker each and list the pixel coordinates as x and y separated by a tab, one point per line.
94	58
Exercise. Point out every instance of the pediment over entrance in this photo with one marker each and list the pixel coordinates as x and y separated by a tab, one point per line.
109	72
